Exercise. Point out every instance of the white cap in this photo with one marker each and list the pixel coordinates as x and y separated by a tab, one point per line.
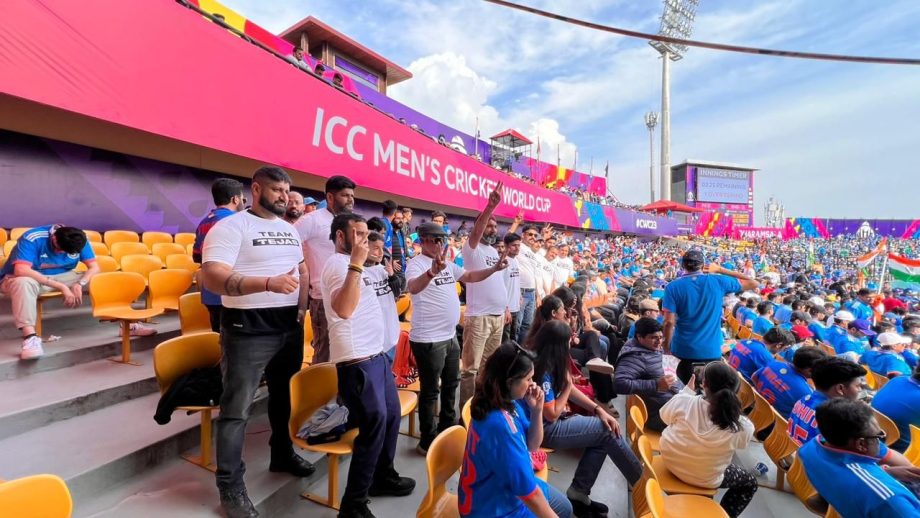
891	338
749	295
817	301
844	316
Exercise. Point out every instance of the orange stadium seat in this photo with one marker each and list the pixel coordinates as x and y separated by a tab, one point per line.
112	295
92	236
166	286
15	233
107	263
193	315
142	264
179	356
445	456
162	250
185	238
152	238
679	506
120	236
123	248
99	249
182	261
3	237
36	496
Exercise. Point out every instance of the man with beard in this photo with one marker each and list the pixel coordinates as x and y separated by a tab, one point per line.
398	247
295	207
317	248
433	336
253	259
229	199
365	381
486	300
511	249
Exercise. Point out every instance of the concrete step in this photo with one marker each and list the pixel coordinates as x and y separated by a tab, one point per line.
87	343
56	319
40	399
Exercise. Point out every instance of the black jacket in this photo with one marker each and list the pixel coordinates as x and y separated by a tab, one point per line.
201	387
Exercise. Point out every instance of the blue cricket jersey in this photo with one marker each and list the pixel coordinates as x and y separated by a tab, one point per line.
762	325
802	425
885	362
782	385
748	356
900	400
208	298
34	248
696	299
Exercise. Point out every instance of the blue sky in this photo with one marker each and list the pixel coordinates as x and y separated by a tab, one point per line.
831	139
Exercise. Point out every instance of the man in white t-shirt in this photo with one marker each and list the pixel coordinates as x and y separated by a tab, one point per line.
512	275
388	286
563	266
253	259
365	378
486	300
531	279
317	248
433	336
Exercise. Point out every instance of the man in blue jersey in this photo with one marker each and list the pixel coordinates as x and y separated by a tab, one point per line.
229	199
43	261
783	384
862	305
900	400
784	311
887	360
750	355
850	466
693	312
764	320
833	378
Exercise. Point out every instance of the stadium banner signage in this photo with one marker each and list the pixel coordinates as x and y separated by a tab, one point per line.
722	185
645	224
757	232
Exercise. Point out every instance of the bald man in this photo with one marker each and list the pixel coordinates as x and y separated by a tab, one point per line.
295	207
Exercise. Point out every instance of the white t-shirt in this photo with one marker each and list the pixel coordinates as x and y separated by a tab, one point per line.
362	334
436	309
381	282
314	231
488	296
527	262
512	276
563	267
545	272
255	246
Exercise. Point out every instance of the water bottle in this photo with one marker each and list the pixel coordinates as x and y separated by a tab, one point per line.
760	469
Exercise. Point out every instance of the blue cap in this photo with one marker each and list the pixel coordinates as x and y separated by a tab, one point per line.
309	200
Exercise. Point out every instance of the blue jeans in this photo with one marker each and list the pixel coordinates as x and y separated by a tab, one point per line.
558	502
527	311
244	358
590	433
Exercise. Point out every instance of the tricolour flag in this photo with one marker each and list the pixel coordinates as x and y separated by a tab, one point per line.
865	260
904	269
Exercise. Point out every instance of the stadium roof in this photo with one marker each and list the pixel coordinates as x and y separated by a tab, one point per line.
511	138
318	32
719	165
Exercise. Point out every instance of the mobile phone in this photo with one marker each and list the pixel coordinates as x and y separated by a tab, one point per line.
698	368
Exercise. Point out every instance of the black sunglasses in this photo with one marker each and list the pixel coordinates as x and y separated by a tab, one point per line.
881	436
517	352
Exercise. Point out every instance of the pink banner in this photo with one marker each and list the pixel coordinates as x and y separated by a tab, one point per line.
757	232
204	86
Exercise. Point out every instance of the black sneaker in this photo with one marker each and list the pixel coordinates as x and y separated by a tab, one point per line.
582	510
237	504
293	464
394	485
355	510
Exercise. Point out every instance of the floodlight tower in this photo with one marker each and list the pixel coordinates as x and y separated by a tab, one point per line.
676	22
651	120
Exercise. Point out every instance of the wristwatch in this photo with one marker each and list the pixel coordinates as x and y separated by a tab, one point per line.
83	283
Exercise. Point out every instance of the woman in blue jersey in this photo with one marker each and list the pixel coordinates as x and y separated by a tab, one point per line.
497	478
597	434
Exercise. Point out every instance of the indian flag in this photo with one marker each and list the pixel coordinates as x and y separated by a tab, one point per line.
904	269
864	261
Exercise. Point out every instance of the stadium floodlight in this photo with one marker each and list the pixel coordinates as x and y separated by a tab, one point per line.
651	120
676	22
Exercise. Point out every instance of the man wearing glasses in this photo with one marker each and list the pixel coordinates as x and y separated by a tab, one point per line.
432	283
229	199
852	468
532	286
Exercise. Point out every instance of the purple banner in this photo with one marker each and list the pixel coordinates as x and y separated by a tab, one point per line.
645	224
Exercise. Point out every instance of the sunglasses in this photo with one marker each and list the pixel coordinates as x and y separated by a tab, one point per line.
881	436
517	352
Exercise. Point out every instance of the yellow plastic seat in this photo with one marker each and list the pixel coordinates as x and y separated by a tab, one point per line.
179	356
164	250
36	496
658	471
870	381
679	506
827	349
188	248
913	451
308	351
182	261
185	238
803	490
123	248
112	295
745	333
762	415
311	389
166	286
402	305
39	309
152	238
8	247
408	402
107	263
120	236
99	249
3	236
891	429
92	236
638	419
780	447
880	379
17	232
745	393
832	513
141	263
444	459
193	315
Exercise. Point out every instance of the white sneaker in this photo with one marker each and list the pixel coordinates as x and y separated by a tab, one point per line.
138	329
32	348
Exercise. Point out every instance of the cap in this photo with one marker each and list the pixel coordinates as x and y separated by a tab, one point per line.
693	255
844	316
892	338
431	229
817	301
800	315
801	333
309	200
647	304
863	325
